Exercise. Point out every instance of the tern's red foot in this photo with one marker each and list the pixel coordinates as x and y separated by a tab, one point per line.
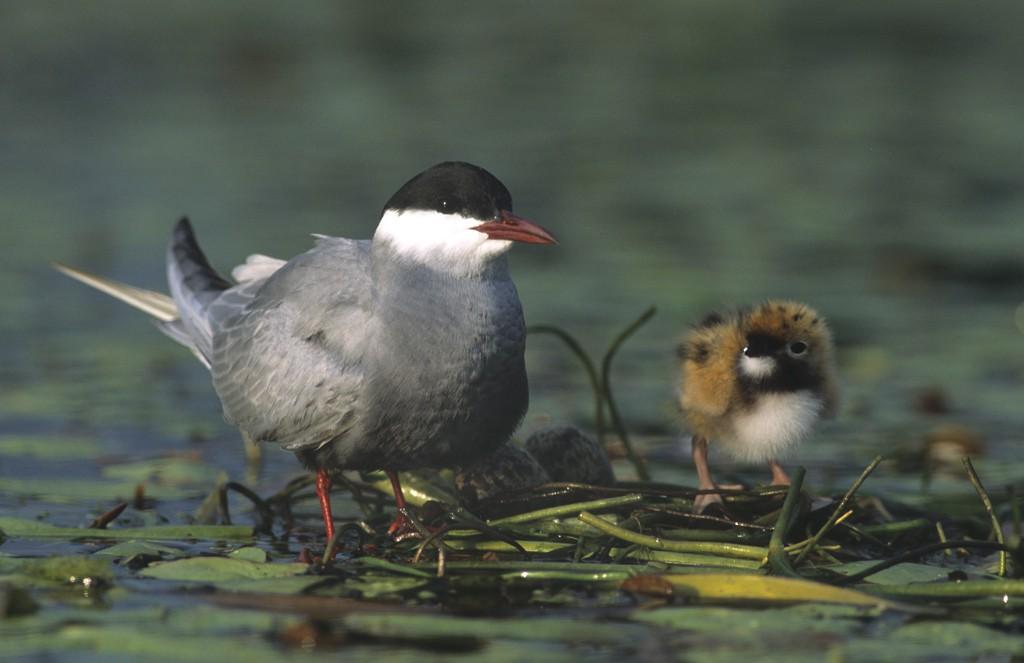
323	493
401	527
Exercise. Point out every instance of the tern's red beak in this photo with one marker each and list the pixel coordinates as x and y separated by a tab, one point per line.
514	228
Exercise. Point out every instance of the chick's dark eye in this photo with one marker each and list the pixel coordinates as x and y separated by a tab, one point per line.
797	348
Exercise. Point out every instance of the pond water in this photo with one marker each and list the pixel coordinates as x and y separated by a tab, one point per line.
692	156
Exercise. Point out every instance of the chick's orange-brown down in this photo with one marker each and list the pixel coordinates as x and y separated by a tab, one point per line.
755	381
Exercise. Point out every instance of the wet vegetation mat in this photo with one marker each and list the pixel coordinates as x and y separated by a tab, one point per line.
558	570
178	562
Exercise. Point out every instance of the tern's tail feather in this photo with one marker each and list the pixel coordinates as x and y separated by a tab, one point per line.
194	284
155	304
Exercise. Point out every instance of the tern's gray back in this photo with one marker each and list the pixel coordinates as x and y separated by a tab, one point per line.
287	366
355	359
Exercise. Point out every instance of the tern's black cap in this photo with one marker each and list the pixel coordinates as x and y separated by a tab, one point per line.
454	187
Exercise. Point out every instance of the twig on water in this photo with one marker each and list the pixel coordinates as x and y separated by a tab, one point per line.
996	528
102	521
840	508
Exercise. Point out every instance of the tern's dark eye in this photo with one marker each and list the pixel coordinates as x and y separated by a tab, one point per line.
797	348
444	206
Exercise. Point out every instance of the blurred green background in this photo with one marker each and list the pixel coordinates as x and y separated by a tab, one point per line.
864	157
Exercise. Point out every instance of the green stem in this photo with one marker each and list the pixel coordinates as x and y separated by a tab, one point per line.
506	566
839	510
658	543
538	547
588	366
965	589
996	527
777	558
645	554
613	410
615	577
567	509
895	527
1015	511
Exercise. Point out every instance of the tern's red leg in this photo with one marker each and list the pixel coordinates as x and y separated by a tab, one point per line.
323	491
401	522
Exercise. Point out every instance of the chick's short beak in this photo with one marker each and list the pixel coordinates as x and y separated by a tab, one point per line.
514	228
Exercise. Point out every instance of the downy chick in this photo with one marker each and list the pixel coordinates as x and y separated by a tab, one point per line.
755	381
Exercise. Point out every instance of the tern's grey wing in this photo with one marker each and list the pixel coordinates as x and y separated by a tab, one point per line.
288	365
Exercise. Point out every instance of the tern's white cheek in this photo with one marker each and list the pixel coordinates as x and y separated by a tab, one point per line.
445	241
757	367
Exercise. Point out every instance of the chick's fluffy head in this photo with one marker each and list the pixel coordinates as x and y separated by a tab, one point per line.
711	352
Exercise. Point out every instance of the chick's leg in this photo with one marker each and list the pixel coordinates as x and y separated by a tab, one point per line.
699	449
779	476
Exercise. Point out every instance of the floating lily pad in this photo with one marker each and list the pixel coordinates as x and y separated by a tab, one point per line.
405	626
249	554
50	447
19	527
71	491
173	471
57	570
206	569
128	549
900	574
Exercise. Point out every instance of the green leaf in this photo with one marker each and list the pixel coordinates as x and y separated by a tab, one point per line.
59	570
901	574
413	626
132	548
749	589
173	471
374	586
15	601
72	491
20	527
50	448
207	569
749	625
250	554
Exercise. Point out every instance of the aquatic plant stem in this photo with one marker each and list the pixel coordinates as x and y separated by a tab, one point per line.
262	507
965	589
567	509
840	508
658	543
778	560
613	410
996	527
588	365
